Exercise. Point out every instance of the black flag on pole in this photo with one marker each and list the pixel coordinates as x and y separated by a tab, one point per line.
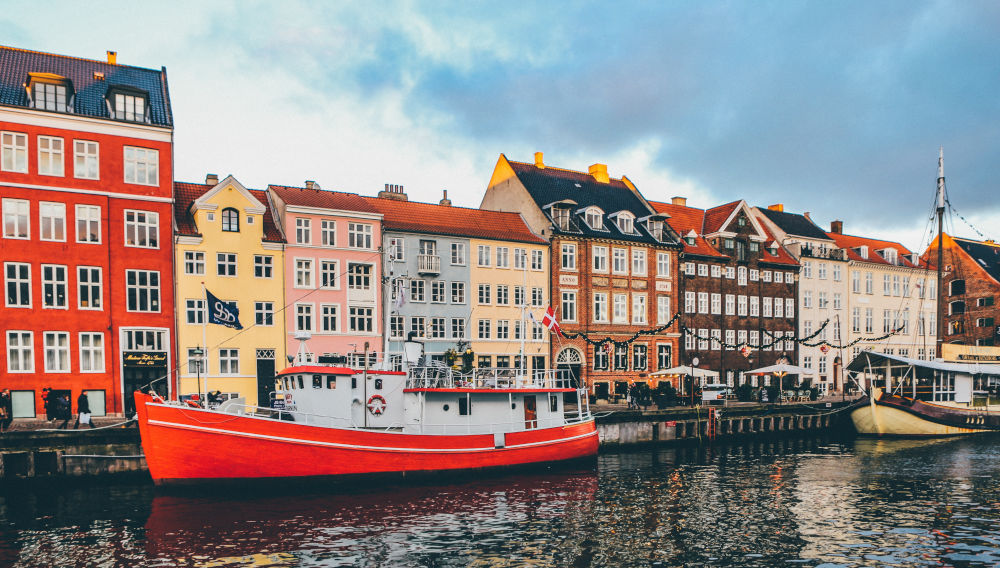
222	313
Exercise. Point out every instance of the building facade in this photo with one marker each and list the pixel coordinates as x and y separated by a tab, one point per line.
333	273
226	241
613	269
86	186
738	291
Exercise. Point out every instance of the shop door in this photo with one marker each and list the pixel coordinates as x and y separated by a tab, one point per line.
143	379
265	381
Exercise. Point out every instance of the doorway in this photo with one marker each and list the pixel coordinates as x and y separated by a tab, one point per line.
530	412
265	377
143	378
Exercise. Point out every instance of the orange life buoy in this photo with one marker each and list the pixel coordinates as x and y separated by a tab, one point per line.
376	404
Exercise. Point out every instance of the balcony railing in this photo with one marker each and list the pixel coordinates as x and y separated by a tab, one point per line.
488	378
428	264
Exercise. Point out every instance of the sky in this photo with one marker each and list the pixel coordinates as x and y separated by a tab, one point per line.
833	108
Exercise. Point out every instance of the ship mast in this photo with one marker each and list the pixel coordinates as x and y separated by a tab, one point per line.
940	253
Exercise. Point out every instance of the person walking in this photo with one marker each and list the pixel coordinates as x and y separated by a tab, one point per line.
6	410
83	408
49	403
63	411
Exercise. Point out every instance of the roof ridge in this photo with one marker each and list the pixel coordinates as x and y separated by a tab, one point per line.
869	238
383	199
270	185
50	54
548	167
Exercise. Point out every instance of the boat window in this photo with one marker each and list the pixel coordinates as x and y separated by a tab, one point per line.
553	403
464	406
331	382
944	387
378	384
301	383
277	385
446	408
317	381
354	382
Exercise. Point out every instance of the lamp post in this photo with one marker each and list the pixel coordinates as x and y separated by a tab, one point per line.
198	352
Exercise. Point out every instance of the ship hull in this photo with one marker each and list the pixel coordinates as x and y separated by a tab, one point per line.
893	416
188	445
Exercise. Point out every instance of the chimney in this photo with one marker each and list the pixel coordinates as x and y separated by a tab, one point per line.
806	215
113	57
837	227
310	184
211	179
779	207
600	172
538	161
678	200
393	191
446	202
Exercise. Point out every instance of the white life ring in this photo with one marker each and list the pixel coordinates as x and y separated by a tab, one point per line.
376	404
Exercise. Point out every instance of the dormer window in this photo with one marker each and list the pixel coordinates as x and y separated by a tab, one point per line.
889	255
230	220
656	229
741	222
594	218
862	251
50	92
626	224
774	249
560	216
128	104
690	237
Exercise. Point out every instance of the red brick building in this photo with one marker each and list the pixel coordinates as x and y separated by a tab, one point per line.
970	290
85	182
613	269
738	287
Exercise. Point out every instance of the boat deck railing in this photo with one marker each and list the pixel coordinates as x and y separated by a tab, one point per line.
441	377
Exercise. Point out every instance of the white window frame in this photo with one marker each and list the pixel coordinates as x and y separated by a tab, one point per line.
568	298
19	282
329	272
359	235
263	263
663	314
56	284
619	308
86	214
60	352
263	313
20	356
142	166
639	309
141	223
51	156
55	214
619	260
91	352
458	256
224	261
638	262
229	361
303	231
537	260
305	313
194	262
90	286
567	255
600	309
484	259
663	265
599	258
86	159
20	210
152	292
328	312
328	232
14	152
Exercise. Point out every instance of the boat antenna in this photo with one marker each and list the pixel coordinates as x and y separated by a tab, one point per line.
940	253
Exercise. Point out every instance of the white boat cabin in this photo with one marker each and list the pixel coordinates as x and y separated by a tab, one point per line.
941	382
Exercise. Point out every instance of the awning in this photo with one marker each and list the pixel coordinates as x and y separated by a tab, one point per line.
879	360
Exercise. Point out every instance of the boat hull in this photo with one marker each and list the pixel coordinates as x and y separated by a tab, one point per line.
893	416
189	445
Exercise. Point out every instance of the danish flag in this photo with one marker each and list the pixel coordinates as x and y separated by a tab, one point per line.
549	320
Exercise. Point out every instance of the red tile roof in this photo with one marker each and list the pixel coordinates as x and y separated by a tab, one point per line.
716	216
850	242
435	219
322	199
185	194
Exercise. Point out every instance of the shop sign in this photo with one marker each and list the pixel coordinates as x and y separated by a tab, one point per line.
567	279
145	359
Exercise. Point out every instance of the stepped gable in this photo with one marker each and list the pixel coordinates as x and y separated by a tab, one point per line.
549	185
986	254
85	76
434	219
794	224
850	242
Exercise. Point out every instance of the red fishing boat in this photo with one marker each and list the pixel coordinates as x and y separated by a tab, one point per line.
338	421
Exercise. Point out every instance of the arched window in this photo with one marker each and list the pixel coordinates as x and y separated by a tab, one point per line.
230	220
595	218
569	356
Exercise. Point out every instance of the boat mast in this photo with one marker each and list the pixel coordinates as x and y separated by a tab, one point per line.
940	254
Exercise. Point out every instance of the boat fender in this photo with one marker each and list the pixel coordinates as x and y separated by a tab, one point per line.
376	404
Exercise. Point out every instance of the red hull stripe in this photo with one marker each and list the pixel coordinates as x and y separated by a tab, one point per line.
357	447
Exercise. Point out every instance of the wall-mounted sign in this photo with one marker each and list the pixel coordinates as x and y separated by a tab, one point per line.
639	284
619	282
568	279
145	359
600	281
662	286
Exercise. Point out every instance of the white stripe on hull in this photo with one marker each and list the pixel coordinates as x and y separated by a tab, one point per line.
879	420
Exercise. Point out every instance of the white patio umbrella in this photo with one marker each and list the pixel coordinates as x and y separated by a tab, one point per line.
779	369
685	370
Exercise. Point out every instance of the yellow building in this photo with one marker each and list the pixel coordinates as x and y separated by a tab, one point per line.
226	241
508	280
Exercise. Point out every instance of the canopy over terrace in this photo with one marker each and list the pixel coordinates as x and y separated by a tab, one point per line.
781	369
685	370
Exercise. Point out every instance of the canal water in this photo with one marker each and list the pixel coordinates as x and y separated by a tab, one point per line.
813	502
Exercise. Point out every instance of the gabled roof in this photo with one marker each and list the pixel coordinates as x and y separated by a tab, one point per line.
794	224
434	219
548	185
716	217
16	64
185	194
985	254
322	199
851	242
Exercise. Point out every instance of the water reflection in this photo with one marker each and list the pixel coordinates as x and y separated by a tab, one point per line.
814	502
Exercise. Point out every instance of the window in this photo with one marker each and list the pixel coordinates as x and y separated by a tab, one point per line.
520	258
458	292
664	360
779	308
328	318
663	264
359	276
619	261
14	152
765	275
437	292
716	343
741	305
730	272
836	273
822	301
263	266
53	286
52	221
778	277
85	159
869	320
741	276
303	317
626	224
229	361
225	264
690	302
91	352
956	307
638	262
50	156
361	318
754	275
984	302
329	274
869	283
638	308
639	354
619	310
537	297
689	268
621	357
15	219
537	260
807	298
130	107
56	352
765	307
503	295
594	218
396	326
328	232
730	339
716	271
303	231
458	254
263	313
568	256
230	220
956	288
484	255
397	248
600	258
484	329
20	352
503	257
359	235
601	357
984	322
568	310
484	293
807	269
754	306
195	311
89	288
141	166
836	300
519	296
17	276
142	229
730	304
821	270
503	329
600	307
716	304
856	281
702	270
702	302
886	285
457	328
143	290
418	290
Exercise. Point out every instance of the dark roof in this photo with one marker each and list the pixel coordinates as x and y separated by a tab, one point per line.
431	218
185	194
794	224
548	185
16	64
986	254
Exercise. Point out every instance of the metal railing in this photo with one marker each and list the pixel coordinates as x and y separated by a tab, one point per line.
487	378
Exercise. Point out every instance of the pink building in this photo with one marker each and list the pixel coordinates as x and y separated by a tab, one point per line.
333	271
